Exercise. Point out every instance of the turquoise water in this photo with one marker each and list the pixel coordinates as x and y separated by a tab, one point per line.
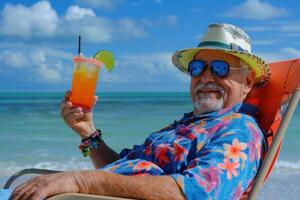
32	133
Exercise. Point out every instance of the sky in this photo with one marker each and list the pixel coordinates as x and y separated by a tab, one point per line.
38	39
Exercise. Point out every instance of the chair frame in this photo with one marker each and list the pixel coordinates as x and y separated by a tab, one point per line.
275	144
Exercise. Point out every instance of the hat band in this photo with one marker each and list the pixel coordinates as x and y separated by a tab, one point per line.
232	46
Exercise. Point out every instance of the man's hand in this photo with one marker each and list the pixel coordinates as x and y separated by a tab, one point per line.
44	186
79	120
99	182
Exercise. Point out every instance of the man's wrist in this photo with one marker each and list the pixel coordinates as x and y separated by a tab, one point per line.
88	132
83	181
89	143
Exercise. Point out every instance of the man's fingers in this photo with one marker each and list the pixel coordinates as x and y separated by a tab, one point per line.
25	190
95	100
65	104
72	117
68	111
28	192
18	191
67	95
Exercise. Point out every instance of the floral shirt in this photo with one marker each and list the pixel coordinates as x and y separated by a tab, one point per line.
210	156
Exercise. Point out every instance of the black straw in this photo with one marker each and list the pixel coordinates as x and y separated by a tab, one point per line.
79	45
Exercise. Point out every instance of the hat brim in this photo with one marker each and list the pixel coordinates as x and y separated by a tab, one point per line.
182	58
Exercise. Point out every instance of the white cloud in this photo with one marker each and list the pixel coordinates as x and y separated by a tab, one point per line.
146	68
47	74
102	4
38	20
14	60
282	54
291	51
141	2
41	20
256	9
258	28
57	54
291	28
130	28
44	70
265	42
35	65
38	65
95	30
161	21
75	12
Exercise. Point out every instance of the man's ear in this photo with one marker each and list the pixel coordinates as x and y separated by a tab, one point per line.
249	81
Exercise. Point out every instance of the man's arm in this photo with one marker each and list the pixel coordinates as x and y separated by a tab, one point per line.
99	183
137	187
82	123
103	155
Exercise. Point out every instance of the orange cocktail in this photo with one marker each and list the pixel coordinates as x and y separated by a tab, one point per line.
84	82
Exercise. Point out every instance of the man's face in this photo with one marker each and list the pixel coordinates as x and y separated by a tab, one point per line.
210	93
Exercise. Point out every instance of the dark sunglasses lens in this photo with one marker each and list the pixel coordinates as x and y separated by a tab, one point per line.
196	67
220	68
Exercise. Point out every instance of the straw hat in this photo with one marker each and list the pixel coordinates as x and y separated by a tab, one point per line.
229	39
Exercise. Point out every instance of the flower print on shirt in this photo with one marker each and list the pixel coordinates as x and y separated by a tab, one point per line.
238	192
215	128
148	150
255	144
229	167
179	152
211	176
144	165
161	154
234	151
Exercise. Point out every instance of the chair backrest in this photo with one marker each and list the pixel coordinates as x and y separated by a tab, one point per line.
272	100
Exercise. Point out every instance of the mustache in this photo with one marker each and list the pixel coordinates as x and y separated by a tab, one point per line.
209	86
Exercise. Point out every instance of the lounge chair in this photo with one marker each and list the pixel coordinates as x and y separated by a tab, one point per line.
276	104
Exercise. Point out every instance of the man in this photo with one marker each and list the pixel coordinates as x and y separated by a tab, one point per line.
213	152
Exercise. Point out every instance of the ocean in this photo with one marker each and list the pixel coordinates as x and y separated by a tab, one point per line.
32	134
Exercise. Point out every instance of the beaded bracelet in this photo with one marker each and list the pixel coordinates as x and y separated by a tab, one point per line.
92	142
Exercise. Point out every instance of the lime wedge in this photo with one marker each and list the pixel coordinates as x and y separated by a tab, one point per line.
107	58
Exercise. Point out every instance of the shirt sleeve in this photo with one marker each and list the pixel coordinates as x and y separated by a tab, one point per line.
225	164
139	148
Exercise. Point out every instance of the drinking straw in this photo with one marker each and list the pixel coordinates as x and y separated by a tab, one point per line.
79	45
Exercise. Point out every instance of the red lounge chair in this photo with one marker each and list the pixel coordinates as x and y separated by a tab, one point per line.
276	103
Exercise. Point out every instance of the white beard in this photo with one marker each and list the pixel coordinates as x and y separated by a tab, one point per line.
205	102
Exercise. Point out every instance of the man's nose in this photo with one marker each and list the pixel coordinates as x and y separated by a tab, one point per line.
207	76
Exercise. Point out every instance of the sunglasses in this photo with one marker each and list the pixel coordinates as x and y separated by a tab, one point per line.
218	68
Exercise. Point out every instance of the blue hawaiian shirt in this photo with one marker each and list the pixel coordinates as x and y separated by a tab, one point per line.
210	156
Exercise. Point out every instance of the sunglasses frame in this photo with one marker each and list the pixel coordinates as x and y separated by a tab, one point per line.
212	69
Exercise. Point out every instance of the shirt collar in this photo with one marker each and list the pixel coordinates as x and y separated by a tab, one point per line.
192	117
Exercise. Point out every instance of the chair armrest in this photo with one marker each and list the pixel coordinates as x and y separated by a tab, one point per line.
77	196
27	171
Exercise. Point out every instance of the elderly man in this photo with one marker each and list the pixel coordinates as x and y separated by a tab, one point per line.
213	152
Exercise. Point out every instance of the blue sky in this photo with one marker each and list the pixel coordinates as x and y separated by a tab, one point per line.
39	38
